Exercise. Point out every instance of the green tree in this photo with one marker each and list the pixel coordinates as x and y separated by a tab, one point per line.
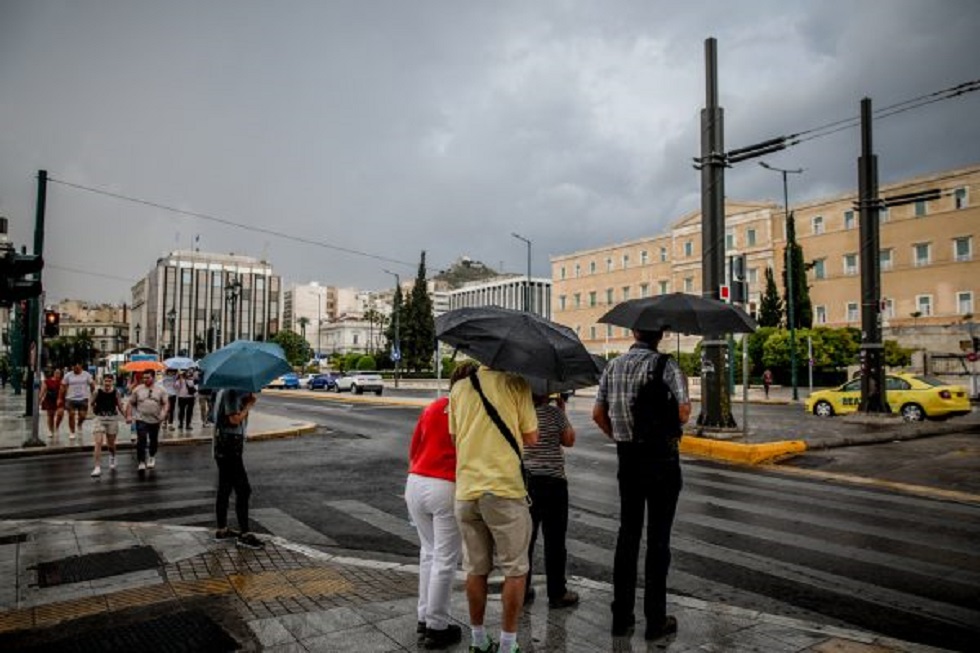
367	362
896	355
771	306
418	327
394	333
757	341
376	323
302	322
296	348
802	307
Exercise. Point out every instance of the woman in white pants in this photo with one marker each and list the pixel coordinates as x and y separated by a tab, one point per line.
430	495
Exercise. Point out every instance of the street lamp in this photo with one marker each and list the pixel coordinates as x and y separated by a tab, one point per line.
790	281
396	351
137	331
319	318
527	284
232	291
172	320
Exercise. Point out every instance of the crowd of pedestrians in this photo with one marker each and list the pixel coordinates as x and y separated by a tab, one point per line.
486	473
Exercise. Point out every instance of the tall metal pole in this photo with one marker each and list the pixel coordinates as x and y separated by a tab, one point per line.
527	281
397	311
873	399
716	404
790	280
319	322
32	321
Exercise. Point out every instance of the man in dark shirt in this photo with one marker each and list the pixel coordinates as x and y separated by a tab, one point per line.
231	420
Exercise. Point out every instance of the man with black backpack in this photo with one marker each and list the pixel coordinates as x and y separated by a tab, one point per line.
641	405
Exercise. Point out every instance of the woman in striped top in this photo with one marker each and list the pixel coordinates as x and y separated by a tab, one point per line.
548	489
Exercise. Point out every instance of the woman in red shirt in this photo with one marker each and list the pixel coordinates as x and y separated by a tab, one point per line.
431	497
49	402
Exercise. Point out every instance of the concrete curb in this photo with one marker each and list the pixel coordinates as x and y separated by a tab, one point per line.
746	454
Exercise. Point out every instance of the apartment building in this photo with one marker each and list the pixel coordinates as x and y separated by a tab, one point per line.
930	271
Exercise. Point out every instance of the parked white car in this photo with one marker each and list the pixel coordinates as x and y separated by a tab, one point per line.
360	382
304	381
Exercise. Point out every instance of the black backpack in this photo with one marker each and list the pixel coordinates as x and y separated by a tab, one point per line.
655	410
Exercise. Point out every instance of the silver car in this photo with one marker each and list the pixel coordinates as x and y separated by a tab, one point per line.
360	382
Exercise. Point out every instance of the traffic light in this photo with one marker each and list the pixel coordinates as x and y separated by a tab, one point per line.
52	324
17	280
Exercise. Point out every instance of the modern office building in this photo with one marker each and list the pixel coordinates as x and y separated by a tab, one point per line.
930	271
305	307
506	292
192	302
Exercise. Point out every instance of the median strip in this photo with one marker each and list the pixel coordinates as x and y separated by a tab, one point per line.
747	454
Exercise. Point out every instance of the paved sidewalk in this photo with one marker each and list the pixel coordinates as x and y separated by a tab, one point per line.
15	430
114	586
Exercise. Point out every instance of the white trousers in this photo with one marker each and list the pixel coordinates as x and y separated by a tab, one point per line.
431	503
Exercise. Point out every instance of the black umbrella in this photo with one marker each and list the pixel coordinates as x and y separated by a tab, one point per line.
515	341
541	386
680	313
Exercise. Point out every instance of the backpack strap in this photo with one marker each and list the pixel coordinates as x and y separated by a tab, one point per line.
499	422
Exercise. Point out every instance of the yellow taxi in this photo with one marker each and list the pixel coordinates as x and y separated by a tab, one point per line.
914	396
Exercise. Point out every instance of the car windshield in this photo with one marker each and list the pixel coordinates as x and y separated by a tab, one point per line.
929	380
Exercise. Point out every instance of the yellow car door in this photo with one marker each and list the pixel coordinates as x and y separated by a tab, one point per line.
848	397
900	392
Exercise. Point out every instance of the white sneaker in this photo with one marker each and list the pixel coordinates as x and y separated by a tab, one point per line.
71	436
97	471
141	467
151	462
112	462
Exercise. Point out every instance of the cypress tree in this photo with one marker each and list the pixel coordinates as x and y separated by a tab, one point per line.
771	306
802	307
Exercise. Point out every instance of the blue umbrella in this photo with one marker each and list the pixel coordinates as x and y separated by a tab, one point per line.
244	365
179	363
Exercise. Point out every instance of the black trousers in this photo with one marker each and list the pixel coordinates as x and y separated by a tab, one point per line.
171	409
185	411
232	476
549	511
649	485
146	431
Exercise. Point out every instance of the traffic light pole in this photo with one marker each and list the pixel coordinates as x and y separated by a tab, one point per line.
33	318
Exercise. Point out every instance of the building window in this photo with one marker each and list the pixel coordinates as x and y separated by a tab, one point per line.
883	214
688	284
964	302
750	238
578	270
959	198
852	312
561	272
730	240
848	219
609	264
609	295
626	293
664	285
963	249
818	269
592	298
923	304
561	302
920	208
922	254
591	267
626	261
688	248
592	333
850	264
663	254
816	225
609	331
644	290
885	257
889	307
820	314
644	258
753	276
578	300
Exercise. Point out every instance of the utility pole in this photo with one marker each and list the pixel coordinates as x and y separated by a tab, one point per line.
716	404
32	321
396	351
873	399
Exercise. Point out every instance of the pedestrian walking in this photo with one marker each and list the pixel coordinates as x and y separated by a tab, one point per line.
641	404
107	406
485	413
76	390
169	384
767	381
50	403
430	494
548	489
148	407
231	421
204	397
186	391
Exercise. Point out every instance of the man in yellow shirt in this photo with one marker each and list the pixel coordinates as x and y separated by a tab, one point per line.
491	500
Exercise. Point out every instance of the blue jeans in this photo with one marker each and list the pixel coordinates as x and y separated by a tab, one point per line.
649	485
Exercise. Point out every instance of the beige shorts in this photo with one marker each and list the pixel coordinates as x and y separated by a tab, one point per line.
108	426
493	525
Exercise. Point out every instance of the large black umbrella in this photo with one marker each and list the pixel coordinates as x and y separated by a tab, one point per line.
515	341
680	313
541	386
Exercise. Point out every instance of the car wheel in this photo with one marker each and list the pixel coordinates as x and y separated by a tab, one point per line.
823	409
913	413
336	388
357	389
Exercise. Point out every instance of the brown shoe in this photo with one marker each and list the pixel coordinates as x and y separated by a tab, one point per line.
566	601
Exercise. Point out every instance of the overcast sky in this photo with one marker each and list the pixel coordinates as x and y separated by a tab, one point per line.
392	127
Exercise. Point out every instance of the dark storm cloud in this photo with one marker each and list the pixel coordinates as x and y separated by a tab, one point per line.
391	127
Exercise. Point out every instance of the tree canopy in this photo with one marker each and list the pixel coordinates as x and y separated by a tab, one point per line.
771	306
802	307
419	329
296	348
